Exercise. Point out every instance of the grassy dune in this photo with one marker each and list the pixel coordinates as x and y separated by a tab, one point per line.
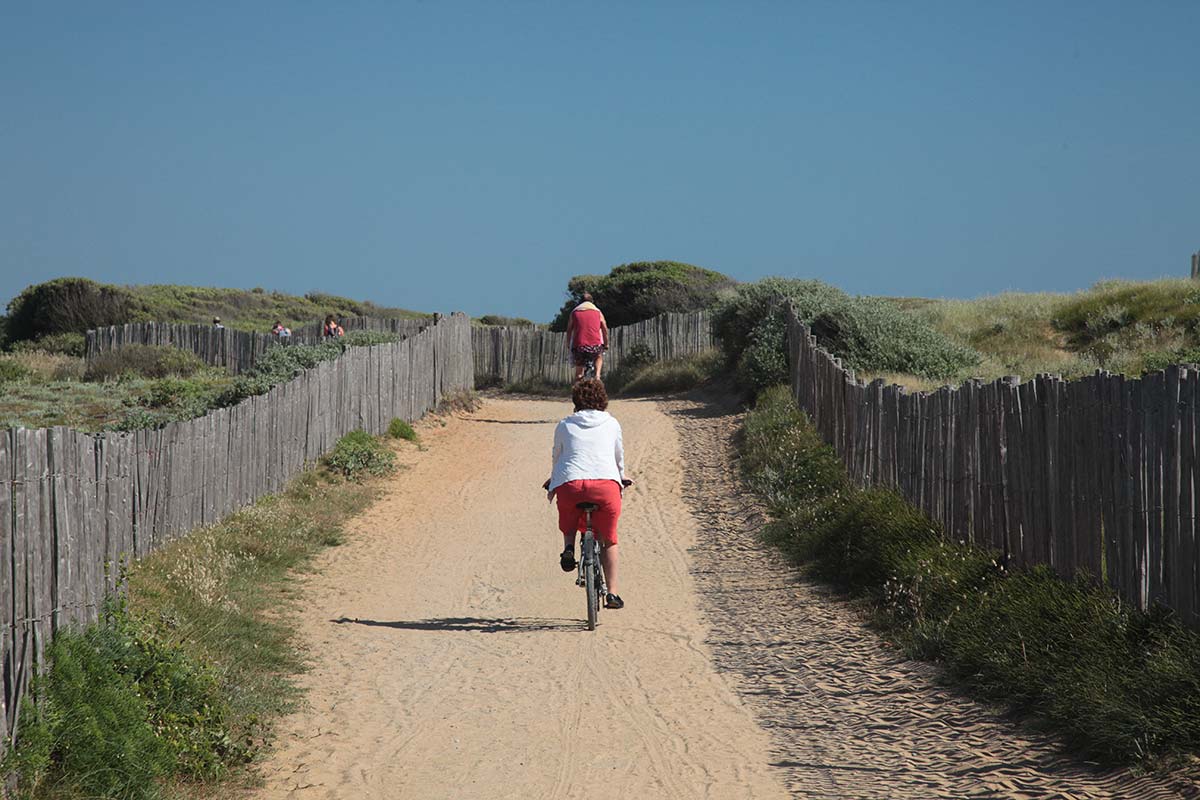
1120	326
254	309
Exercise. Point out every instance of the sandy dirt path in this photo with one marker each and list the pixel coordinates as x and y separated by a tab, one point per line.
448	650
450	660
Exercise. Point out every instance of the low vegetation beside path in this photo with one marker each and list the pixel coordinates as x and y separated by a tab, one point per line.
145	386
642	374
176	690
1118	685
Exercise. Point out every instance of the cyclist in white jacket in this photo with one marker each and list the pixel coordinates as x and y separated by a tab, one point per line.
589	466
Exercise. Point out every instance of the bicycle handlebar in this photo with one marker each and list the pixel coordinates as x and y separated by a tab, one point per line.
625	484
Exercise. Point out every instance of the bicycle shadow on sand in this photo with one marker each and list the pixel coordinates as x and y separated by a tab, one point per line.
470	624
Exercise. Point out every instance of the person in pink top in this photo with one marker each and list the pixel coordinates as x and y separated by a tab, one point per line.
587	335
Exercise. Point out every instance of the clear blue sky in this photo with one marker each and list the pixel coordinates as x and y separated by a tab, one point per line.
472	156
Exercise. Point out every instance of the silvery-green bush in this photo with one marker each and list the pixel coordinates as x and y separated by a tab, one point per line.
869	334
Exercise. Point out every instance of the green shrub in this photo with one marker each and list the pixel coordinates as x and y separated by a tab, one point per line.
183	398
741	311
368	338
67	344
764	362
96	725
638	355
399	429
66	305
1122	685
225	593
278	365
662	377
873	334
1162	359
358	453
120	709
512	322
1117	684
636	358
11	370
137	419
145	361
634	292
281	364
867	333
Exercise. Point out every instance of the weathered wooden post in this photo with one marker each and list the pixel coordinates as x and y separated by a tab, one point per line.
1195	266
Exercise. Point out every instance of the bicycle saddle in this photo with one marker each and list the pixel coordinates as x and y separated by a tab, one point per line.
586	506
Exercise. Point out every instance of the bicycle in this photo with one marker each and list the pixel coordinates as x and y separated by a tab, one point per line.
589	366
591	571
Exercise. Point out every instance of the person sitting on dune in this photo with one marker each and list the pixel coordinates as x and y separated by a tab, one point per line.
332	328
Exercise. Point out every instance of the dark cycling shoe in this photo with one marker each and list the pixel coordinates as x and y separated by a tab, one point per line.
614	601
567	560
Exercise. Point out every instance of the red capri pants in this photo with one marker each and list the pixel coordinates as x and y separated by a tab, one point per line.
606	494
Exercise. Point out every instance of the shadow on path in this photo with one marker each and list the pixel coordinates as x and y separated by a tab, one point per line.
512	421
470	624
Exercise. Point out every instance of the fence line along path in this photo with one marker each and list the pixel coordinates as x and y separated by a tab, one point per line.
511	355
73	504
1099	474
235	350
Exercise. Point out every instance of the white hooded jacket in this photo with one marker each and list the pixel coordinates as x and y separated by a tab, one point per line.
587	446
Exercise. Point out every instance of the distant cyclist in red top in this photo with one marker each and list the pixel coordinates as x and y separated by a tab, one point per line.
587	335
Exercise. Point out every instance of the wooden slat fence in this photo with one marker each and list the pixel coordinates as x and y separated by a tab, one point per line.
513	354
1099	474
224	347
72	504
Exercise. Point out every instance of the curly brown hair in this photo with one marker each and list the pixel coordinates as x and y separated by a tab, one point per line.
589	393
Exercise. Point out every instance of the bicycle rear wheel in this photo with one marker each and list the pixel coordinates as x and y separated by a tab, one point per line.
591	584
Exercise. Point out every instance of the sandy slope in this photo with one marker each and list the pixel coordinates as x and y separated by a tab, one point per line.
450	659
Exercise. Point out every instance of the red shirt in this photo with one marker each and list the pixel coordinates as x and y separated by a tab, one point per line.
587	326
